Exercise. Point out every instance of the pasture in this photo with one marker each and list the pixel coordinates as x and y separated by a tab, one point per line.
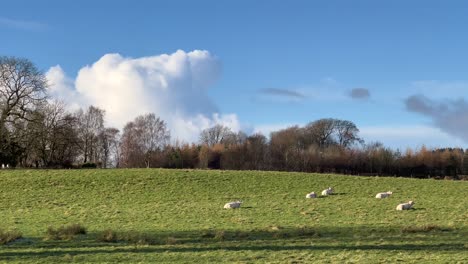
157	215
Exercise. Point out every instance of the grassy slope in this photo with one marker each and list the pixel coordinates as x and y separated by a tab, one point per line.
181	208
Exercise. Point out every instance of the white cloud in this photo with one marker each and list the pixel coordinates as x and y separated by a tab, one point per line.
61	87
173	86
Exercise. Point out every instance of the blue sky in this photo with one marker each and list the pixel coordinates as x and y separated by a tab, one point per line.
280	62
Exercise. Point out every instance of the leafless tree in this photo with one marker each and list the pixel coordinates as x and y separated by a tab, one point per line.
108	144
215	135
347	133
91	125
256	151
143	138
51	140
131	152
22	89
285	147
320	132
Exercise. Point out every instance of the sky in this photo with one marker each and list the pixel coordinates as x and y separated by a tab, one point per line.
397	69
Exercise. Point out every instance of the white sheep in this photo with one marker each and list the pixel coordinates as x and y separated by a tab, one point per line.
311	195
405	206
327	191
233	205
383	194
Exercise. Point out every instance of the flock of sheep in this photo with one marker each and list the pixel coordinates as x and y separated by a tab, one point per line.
328	191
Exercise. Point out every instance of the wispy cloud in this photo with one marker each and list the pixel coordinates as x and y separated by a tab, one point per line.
22	24
282	93
451	116
359	93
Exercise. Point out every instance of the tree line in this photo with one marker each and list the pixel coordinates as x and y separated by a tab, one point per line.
36	131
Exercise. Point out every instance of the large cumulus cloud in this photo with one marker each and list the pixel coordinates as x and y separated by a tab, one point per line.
173	86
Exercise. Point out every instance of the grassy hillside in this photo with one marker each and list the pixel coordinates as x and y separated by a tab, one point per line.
178	216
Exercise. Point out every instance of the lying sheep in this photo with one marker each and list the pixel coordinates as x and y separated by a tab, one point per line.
233	205
327	191
383	194
405	206
311	195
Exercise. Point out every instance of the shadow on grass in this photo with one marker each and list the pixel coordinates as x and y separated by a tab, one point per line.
199	248
274	238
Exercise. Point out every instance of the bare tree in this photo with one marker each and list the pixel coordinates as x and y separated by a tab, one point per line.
256	150
347	133
320	132
285	148
153	135
215	135
91	125
131	152
108	143
143	139
22	89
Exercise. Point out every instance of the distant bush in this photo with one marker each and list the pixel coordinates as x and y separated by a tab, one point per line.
65	232
307	232
137	238
208	234
9	236
108	236
89	165
171	241
220	235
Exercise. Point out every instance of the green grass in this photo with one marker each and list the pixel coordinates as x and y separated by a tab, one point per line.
153	215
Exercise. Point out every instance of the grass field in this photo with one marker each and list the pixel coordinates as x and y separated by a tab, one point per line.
155	215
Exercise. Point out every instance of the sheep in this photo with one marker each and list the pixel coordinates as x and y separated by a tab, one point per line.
383	195
311	195
233	205
405	206
327	191
3	166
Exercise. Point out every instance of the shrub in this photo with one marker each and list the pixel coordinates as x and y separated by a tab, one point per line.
89	165
65	232
208	234
9	236
171	241
137	238
108	236
307	231
220	235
